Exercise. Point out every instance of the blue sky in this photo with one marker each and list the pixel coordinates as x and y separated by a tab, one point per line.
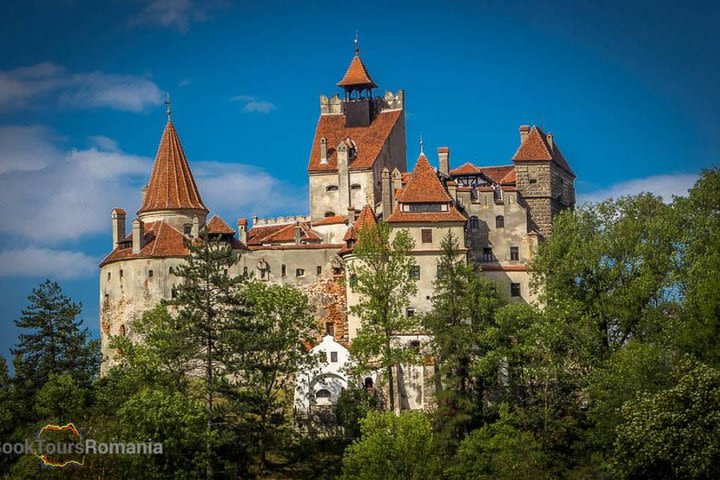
628	89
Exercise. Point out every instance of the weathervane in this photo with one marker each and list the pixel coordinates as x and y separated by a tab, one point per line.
421	146
357	43
167	106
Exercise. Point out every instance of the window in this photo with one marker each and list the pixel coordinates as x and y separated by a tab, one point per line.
497	194
171	270
123	330
121	274
355	186
263	274
109	275
499	221
173	292
330	329
426	235
318	269
331	188
415	272
474	223
283	270
533	181
425	207
514	289
514	254
333	357
150	273
353	280
329	213
410	312
245	272
187	228
415	345
300	272
487	254
322	394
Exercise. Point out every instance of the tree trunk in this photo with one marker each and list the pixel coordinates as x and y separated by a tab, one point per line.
209	405
391	382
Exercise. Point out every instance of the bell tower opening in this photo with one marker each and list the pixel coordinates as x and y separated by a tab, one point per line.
358	85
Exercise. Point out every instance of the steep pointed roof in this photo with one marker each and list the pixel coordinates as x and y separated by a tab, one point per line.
365	219
357	75
536	147
172	185
217	225
424	185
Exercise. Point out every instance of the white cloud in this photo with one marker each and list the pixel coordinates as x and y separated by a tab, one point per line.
174	13
20	86
20	150
663	185
253	104
46	262
71	193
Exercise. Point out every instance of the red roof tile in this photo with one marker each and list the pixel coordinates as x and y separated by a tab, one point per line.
172	185
368	140
365	219
334	220
218	225
424	186
161	240
504	268
496	173
357	75
281	234
426	217
536	148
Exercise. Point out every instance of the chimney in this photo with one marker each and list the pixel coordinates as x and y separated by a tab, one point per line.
343	177
298	233
351	214
195	232
550	142
396	184
386	186
452	189
444	159
323	150
118	226
524	131
242	230
138	235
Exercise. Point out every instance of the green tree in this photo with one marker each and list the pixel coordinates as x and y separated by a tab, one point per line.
499	451
55	341
673	433
382	279
394	447
464	304
353	405
61	399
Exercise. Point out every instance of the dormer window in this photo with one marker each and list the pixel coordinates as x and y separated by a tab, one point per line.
425	207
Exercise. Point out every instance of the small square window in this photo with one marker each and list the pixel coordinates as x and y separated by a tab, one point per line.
330	329
318	269
172	270
333	357
150	273
487	254
514	254
415	272
514	289
187	228
410	312
300	272
533	181
426	235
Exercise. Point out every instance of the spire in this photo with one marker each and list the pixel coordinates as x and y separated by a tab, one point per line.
424	185
357	44
172	186
357	76
167	106
421	146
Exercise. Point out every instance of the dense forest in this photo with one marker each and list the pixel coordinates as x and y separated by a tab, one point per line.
615	376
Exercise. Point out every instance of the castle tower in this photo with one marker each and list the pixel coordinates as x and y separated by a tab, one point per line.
172	195
356	137
544	179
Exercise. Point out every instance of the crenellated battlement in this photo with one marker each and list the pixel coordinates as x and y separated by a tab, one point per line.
389	101
257	222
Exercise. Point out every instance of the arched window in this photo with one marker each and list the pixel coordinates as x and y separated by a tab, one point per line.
331	188
474	223
499	221
123	331
329	213
323	393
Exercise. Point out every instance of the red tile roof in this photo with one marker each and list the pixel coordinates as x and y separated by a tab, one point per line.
424	186
302	246
368	140
217	225
496	173
242	221
334	220
357	75
365	219
536	148
452	216
172	185
281	234
504	268
161	240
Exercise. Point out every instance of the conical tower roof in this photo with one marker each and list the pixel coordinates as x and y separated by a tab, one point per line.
357	75
172	186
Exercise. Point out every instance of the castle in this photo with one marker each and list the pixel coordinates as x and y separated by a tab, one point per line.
357	175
